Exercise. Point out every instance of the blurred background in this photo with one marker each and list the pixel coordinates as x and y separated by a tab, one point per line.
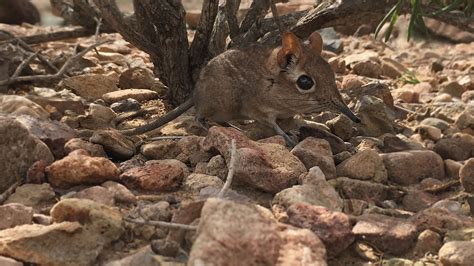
47	18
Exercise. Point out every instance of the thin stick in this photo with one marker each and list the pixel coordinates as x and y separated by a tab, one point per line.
58	74
28	48
162	224
22	66
230	174
4	196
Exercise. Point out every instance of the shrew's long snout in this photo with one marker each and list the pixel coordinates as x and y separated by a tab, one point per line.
341	107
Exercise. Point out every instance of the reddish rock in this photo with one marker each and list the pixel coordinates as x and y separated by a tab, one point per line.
14	214
222	240
36	173
441	219
156	175
368	68
333	228
159	150
387	234
52	133
80	170
90	86
410	167
268	167
364	190
316	152
191	151
466	175
364	165
352	82
415	201
136	77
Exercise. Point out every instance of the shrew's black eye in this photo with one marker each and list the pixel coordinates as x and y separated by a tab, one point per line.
304	82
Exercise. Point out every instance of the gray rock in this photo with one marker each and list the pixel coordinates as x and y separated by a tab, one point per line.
435	122
458	147
364	165
375	116
334	228
387	234
195	182
20	149
466	175
316	152
364	190
33	195
14	214
221	239
114	143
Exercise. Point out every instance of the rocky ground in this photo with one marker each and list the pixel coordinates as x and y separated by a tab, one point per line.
396	188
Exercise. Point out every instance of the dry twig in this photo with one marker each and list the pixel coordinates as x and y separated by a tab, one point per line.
4	196
60	73
162	224
230	174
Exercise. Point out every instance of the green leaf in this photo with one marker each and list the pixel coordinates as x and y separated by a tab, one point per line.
453	5
385	19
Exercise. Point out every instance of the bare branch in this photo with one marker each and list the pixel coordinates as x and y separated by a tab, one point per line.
231	8
58	74
28	48
230	174
199	51
112	15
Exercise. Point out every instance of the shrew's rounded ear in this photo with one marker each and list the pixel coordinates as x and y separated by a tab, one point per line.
316	42
290	49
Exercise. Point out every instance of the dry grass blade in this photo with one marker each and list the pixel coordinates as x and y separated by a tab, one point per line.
230	174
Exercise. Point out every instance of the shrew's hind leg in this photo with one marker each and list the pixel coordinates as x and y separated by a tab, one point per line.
202	122
227	124
273	124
